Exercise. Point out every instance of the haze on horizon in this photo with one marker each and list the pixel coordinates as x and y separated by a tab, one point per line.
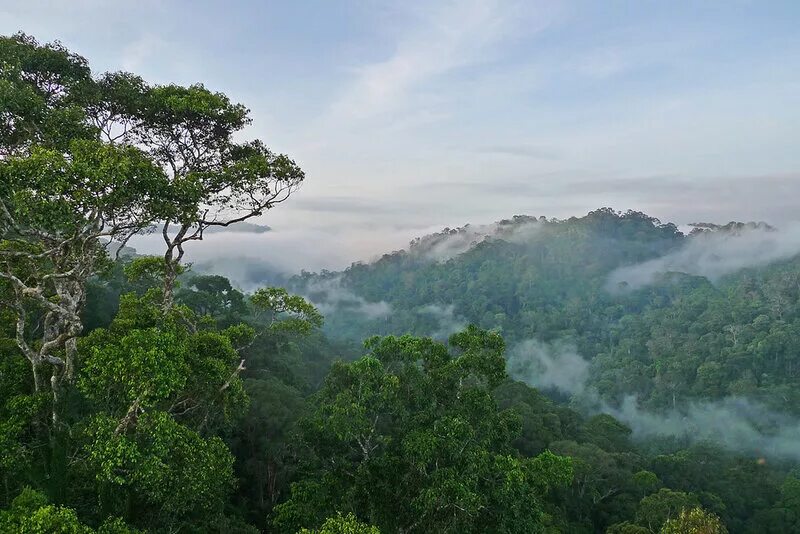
408	117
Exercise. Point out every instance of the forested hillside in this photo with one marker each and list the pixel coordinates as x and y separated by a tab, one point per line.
139	395
704	316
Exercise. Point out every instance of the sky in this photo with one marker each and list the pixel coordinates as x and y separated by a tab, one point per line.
411	116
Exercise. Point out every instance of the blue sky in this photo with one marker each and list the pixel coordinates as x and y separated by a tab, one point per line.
410	116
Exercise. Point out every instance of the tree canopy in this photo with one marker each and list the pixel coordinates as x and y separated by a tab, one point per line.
142	394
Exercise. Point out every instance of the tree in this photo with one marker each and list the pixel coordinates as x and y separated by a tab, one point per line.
32	514
784	515
604	486
44	90
347	524
63	193
55	211
409	438
137	408
91	161
213	295
694	521
627	527
159	388
658	508
188	132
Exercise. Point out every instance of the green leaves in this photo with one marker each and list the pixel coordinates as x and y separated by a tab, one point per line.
163	361
298	314
43	90
85	164
149	269
195	108
149	365
657	508
343	524
353	411
160	389
93	183
409	437
482	352
30	513
163	464
694	521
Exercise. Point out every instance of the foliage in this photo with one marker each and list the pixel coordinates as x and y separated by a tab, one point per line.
694	521
413	419
136	393
342	525
129	423
32	514
680	339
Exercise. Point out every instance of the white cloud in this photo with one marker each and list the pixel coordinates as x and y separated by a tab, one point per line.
448	323
603	63
549	366
445	36
331	296
714	255
735	423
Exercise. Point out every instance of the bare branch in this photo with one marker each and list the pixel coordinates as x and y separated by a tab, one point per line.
130	417
233	376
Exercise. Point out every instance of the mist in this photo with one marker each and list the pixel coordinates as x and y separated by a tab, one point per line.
714	254
449	243
557	366
242	255
447	321
279	252
331	296
735	423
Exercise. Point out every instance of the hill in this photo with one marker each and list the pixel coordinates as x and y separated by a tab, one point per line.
668	317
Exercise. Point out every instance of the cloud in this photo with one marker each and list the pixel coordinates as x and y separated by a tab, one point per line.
288	248
285	250
522	150
449	243
544	366
245	274
603	63
735	423
443	37
673	197
140	51
446	319
238	228
714	254
331	296
352	205
694	106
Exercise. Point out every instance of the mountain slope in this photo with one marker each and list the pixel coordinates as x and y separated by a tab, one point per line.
704	316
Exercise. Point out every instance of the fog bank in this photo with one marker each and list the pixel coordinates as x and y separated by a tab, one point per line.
714	254
449	243
331	296
734	423
447	321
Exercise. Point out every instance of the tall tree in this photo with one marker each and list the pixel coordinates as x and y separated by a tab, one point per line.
188	132
410	439
87	162
62	201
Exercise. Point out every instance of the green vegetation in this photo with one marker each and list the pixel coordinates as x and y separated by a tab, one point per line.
137	395
679	339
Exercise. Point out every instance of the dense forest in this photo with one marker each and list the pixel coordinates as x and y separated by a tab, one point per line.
608	373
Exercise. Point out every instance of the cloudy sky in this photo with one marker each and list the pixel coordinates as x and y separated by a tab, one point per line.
409	116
